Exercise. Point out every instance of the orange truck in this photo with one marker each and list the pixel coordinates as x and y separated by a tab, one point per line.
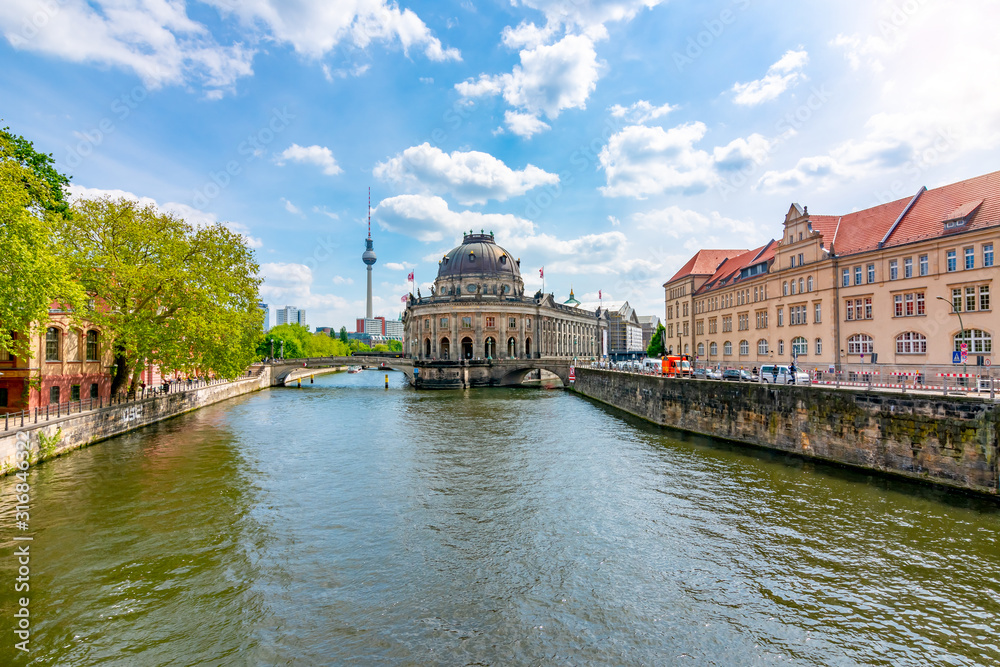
676	366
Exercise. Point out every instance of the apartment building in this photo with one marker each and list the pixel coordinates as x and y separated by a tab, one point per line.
910	280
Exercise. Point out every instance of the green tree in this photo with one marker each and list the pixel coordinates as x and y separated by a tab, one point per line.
395	346
358	346
343	335
381	347
35	275
282	334
656	348
48	187
166	293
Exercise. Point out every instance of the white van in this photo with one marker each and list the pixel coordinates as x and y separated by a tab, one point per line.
652	365
778	374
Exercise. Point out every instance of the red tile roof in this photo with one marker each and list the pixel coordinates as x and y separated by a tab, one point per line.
704	263
729	271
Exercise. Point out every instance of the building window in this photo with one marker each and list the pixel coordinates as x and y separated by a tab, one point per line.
908	305
924	267
744	322
713	349
868	308
4	355
727	324
857	275
956	299
860	344
893	269
670	331
791	262
781	348
809	284
53	395
761	319
819	346
801	286
3	397
784	288
818	313
970	298
988	255
74	393
781	317
762	346
911	342
466	322
908	267
93	390
793	287
978	341
52	344
800	347
845	280
744	348
670	312
512	322
527	323
491	322
984	297
92	351
727	348
685	328
797	315
444	322
701	349
952	261
871	273
970	258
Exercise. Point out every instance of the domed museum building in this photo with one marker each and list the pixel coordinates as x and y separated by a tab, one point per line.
477	316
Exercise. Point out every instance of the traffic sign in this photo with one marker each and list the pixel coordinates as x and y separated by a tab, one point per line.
987	362
956	357
964	348
965	357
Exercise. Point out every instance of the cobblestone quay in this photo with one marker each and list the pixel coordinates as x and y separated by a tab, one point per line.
947	440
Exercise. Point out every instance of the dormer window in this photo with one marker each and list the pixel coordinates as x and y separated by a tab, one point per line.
503	259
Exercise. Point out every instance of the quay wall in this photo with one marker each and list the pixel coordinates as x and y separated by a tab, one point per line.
82	429
946	440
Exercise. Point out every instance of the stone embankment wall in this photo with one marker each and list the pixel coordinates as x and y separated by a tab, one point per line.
80	430
948	440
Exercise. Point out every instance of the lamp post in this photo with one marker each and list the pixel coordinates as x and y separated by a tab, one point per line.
961	335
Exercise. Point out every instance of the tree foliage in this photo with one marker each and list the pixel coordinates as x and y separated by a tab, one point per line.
300	344
343	335
656	347
35	275
166	293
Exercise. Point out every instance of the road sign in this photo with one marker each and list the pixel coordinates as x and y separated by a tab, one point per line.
987	363
965	357
964	348
956	357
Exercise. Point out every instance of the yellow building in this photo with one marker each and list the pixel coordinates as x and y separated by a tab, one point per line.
910	280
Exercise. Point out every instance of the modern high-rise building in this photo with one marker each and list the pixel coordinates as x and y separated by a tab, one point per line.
290	315
267	315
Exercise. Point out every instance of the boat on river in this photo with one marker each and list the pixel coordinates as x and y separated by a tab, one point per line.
354	369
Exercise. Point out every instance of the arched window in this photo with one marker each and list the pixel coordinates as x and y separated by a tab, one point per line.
427	347
800	286
445	348
527	347
784	288
701	349
727	348
713	349
92	349
687	349
511	347
911	342
762	346
860	344
793	287
781	347
52	347
819	346
809	284
744	348
800	346
977	340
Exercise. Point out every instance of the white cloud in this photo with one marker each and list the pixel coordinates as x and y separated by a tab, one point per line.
678	223
523	124
400	266
341	280
189	214
471	177
587	14
740	153
640	161
291	208
640	112
615	222
429	219
314	28
156	40
322	210
549	80
321	156
290	284
780	76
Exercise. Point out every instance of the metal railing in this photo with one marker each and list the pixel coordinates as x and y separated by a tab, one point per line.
41	414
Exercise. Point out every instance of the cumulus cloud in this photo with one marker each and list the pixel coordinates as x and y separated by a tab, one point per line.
640	112
740	153
548	80
321	156
159	42
780	76
640	161
341	280
189	214
678	223
472	177
314	28
587	15
428	219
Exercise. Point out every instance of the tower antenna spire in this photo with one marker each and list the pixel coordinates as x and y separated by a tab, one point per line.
369	211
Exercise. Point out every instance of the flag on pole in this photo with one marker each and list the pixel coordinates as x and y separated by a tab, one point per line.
410	277
404	298
541	272
599	294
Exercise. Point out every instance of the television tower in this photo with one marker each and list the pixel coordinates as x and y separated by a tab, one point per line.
369	256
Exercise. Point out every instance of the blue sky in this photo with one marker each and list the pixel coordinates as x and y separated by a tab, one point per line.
606	141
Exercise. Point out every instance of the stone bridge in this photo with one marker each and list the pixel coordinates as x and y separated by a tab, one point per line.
425	374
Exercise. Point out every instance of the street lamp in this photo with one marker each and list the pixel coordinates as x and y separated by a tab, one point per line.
961	335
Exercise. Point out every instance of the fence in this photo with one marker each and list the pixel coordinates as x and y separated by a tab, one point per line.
41	414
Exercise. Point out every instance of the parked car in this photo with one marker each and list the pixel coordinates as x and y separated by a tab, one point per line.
713	374
737	375
699	374
780	374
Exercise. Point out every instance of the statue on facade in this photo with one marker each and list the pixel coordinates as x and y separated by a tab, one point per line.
418	294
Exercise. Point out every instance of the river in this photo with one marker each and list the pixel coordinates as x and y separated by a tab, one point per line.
346	523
